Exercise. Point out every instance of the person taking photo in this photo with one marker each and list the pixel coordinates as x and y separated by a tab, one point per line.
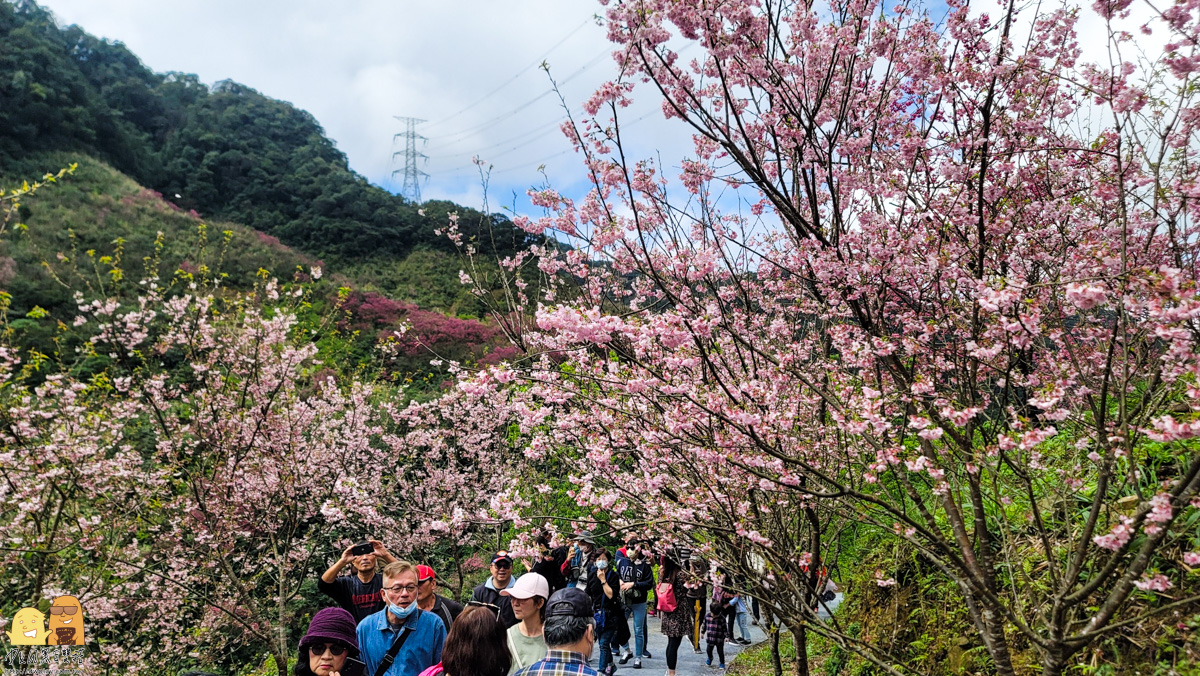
359	593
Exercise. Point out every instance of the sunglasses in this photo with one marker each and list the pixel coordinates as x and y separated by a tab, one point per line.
489	606
319	649
63	610
502	565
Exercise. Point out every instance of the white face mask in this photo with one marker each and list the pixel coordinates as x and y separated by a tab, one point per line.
601	564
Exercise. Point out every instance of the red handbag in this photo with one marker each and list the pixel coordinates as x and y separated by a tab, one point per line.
665	593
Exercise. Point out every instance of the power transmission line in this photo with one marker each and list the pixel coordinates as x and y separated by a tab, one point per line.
411	190
519	73
539	130
492	158
459	135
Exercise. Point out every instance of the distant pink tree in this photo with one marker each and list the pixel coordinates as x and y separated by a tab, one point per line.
427	334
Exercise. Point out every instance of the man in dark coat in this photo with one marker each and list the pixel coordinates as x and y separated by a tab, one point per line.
488	593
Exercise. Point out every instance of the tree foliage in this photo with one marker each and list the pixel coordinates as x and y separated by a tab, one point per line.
957	308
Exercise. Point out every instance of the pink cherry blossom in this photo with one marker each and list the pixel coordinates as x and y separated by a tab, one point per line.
944	297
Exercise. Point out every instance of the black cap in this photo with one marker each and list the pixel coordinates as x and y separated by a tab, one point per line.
501	555
569	602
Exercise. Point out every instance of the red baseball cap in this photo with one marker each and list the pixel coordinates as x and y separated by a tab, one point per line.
425	573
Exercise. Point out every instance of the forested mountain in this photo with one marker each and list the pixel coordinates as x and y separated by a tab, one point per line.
228	151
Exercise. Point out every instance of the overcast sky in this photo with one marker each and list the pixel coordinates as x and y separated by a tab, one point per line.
469	67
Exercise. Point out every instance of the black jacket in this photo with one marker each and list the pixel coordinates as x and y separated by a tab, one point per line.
552	569
599	599
446	609
614	612
485	594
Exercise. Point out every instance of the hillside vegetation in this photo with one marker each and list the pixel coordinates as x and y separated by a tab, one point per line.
74	232
76	235
227	151
226	174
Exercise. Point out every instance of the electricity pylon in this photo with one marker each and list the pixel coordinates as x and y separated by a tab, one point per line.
411	188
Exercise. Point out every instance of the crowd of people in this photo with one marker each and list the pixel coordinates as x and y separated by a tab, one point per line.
574	599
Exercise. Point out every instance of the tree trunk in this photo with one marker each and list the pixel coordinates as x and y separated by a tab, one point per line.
773	636
997	642
1054	662
800	639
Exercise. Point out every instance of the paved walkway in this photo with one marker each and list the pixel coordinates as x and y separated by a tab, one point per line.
689	662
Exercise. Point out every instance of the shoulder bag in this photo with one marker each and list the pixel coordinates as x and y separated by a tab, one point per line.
665	593
390	657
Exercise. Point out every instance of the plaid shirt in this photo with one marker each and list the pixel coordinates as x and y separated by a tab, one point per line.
559	663
715	627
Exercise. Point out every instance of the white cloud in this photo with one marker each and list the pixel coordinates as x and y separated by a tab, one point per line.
357	64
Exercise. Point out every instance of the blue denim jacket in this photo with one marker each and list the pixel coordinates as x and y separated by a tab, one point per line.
422	650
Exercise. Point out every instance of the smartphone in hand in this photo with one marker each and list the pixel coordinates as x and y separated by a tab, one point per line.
362	548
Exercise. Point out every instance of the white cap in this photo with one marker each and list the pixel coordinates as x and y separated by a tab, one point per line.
528	586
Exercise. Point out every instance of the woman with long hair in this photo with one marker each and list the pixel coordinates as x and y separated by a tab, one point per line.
330	646
676	623
477	645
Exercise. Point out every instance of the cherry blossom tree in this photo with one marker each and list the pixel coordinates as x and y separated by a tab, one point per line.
187	461
453	464
938	279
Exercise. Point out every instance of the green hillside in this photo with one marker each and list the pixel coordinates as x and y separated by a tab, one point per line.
228	152
72	235
234	181
102	211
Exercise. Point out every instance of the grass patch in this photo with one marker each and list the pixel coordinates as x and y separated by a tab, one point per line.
756	660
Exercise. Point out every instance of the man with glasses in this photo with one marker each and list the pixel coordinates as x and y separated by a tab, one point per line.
357	593
488	593
430	602
401	638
